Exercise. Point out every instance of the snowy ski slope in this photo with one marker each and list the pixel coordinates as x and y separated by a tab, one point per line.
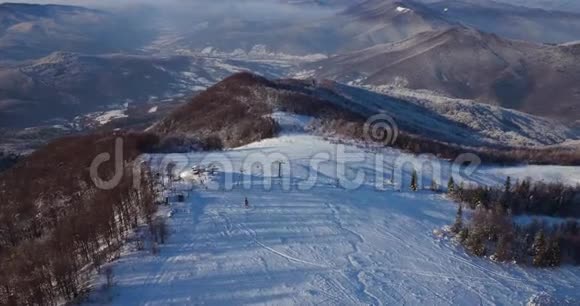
322	244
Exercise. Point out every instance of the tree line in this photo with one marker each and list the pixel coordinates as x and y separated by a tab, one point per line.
56	227
522	197
352	126
492	232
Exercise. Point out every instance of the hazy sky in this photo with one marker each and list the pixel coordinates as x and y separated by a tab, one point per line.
241	8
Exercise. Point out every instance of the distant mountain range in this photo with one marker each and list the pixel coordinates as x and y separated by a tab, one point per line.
363	24
62	61
560	5
515	22
30	31
466	63
64	85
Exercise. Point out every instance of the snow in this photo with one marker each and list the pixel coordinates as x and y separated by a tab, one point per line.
198	88
109	116
207	50
491	124
559	174
153	109
289	123
545	299
310	240
402	9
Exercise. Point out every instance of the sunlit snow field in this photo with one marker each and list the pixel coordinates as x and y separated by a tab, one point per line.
304	243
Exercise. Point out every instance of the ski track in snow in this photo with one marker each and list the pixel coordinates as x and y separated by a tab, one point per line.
324	246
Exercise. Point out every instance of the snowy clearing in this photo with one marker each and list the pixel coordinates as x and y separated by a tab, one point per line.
307	241
402	9
111	115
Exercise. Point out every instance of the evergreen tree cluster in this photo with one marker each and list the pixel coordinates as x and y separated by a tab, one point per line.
523	197
491	232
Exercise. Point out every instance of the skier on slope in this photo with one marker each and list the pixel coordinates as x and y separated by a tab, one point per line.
246	203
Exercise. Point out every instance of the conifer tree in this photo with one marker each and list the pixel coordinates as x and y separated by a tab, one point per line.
508	184
503	251
506	197
458	225
463	234
475	243
554	255
451	185
539	249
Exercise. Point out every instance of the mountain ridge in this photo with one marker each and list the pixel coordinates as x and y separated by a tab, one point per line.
245	101
469	64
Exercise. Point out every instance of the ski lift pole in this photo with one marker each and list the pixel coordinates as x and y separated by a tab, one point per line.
280	163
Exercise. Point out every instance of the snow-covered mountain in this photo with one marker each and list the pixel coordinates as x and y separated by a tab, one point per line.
288	152
561	5
514	22
469	64
64	85
29	31
453	120
324	3
364	24
390	20
233	111
358	26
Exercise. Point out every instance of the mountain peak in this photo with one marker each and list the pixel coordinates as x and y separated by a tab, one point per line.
465	63
381	9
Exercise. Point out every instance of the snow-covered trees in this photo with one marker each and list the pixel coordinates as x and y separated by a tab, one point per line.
344	123
45	249
525	197
475	242
492	232
546	251
503	249
539	248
